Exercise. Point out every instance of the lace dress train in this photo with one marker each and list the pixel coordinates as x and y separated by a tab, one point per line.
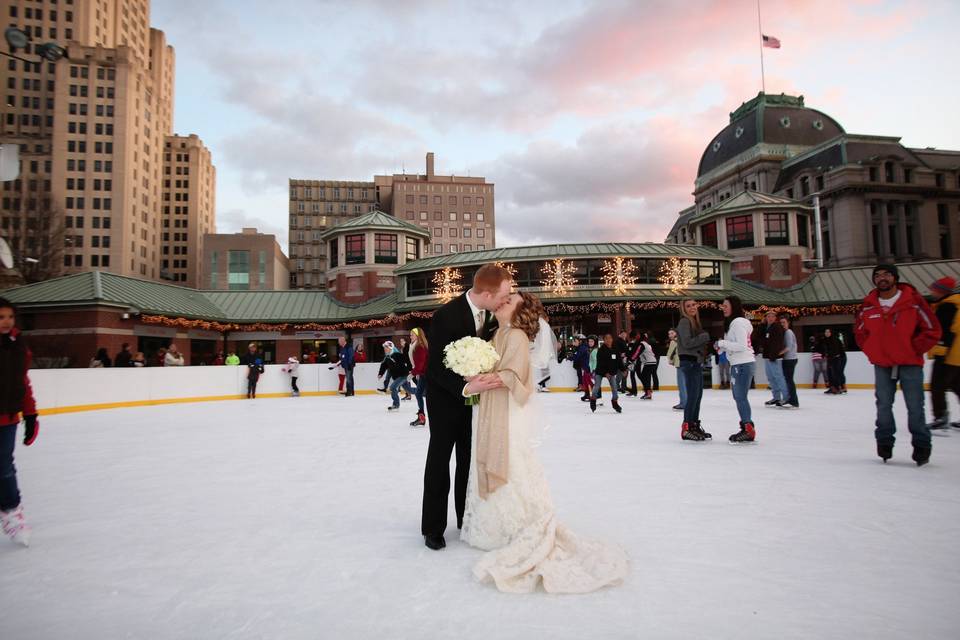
516	525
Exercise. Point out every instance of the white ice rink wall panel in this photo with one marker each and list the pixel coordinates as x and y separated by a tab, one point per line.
61	389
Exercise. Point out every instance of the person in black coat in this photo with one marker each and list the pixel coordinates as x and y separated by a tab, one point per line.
124	358
609	366
253	361
622	346
470	314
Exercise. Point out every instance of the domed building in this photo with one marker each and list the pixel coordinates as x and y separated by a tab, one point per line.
764	178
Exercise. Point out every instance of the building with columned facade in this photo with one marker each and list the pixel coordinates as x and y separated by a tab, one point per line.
879	201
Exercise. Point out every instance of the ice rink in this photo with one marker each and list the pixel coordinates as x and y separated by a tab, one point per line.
299	518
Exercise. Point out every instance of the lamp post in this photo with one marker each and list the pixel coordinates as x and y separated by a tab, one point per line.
18	39
48	51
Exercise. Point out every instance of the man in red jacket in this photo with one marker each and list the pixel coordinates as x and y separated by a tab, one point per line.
895	327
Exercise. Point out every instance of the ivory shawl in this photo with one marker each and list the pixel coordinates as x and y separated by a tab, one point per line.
493	426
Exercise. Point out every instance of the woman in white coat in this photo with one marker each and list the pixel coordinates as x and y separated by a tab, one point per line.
739	349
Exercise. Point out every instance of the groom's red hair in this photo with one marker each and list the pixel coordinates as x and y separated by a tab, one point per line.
488	278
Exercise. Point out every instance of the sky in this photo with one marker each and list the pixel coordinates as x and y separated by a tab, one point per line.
589	117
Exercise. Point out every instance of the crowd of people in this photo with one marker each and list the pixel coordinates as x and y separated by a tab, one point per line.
895	328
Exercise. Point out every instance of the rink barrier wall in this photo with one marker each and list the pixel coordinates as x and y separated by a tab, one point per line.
72	390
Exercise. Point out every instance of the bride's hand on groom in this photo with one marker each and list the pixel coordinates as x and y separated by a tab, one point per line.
483	382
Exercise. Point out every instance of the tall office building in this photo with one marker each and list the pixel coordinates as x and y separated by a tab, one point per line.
458	211
91	129
315	206
189	199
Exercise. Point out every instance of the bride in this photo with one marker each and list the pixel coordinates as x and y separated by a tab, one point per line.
509	512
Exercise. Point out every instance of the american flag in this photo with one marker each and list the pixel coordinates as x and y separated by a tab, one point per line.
770	41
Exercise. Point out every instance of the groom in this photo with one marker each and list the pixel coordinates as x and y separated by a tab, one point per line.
470	314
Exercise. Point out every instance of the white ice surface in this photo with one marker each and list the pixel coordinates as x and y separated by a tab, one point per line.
299	518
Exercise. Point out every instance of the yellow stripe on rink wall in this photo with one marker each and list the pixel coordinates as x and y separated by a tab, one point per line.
146	403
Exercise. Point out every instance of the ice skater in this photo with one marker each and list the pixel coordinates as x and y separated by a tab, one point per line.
16	400
293	369
253	361
419	357
692	342
397	367
737	345
608	366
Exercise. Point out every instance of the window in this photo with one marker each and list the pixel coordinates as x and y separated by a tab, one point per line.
438	248
356	250
739	232
888	171
708	234
776	230
479	216
238	275
410	215
803	233
453	216
423	215
438	232
334	254
452	232
453	248
413	249
385	248
480	233
409	199
466	232
423	199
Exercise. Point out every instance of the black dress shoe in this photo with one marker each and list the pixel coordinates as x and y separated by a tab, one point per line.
434	541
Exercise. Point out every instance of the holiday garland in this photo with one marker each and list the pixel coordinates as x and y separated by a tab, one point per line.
558	308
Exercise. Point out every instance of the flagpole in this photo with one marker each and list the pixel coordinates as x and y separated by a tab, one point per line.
763	81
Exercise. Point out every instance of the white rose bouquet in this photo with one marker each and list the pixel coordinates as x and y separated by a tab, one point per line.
468	357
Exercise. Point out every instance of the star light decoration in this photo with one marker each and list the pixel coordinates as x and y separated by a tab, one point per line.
676	274
512	270
558	276
619	273
447	284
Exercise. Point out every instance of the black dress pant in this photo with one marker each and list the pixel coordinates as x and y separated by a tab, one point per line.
450	428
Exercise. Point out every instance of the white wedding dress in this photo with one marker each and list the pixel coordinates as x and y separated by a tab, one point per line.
517	526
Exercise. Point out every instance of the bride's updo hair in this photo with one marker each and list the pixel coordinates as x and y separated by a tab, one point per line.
526	316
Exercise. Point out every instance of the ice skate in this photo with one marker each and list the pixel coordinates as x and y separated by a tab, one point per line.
746	434
15	526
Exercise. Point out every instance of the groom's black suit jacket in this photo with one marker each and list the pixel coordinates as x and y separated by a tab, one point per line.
450	418
450	322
